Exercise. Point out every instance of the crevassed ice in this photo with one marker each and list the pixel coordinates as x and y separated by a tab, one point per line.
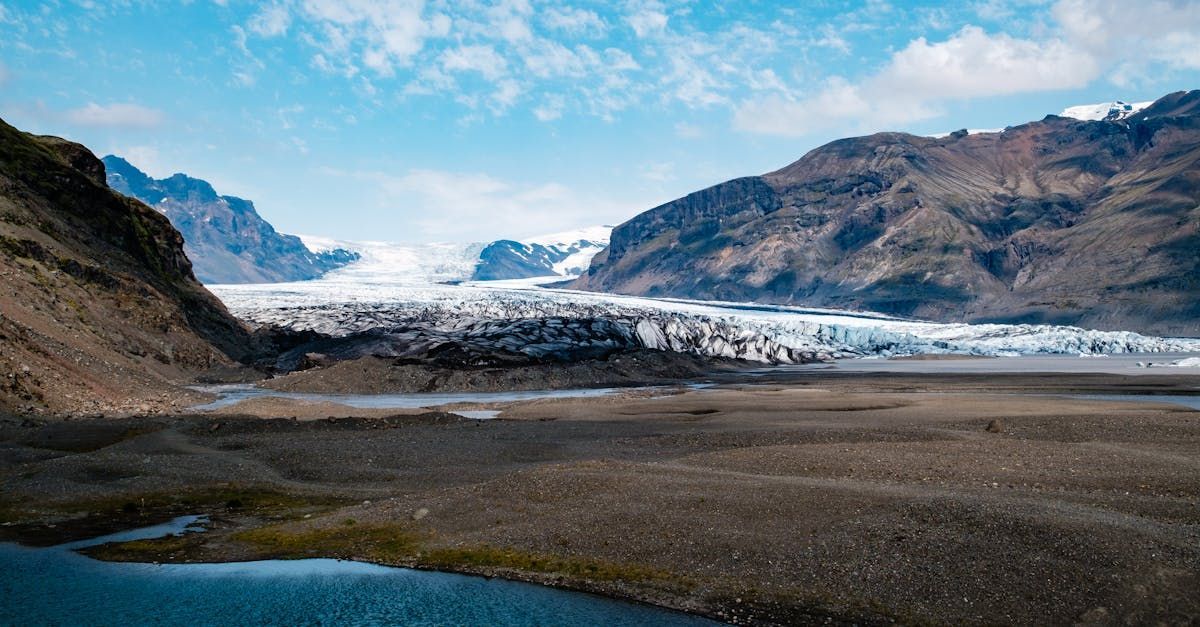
769	333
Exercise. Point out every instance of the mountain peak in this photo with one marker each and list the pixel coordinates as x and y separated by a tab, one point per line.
1109	111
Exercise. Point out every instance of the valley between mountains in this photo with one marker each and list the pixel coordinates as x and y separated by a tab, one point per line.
902	380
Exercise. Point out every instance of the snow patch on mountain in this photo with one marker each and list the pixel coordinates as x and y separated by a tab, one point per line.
579	246
1112	111
970	131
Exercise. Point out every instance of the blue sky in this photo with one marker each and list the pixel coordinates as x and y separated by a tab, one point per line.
413	120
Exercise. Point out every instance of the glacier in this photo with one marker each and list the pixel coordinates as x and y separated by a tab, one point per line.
377	299
569	254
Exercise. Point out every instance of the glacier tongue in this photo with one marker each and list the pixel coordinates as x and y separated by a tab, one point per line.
766	333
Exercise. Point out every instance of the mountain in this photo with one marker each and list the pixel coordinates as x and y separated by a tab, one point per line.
1066	221
100	308
226	239
562	254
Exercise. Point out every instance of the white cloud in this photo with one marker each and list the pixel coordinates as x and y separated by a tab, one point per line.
771	67
550	109
476	58
117	115
646	23
146	159
385	33
1089	39
5	75
271	21
463	206
837	100
574	21
506	95
242	78
973	63
510	20
1160	31
547	59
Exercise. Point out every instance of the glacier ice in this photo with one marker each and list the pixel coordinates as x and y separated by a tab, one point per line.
344	303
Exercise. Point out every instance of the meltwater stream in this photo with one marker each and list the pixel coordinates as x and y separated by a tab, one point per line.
230	395
57	586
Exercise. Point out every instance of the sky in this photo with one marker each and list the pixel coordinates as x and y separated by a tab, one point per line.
420	121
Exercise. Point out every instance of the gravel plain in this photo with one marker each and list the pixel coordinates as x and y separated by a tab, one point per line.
797	497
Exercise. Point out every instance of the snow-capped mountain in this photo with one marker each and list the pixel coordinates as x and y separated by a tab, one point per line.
1118	110
564	254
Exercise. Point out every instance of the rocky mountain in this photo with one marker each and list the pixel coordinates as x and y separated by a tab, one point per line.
226	239
1066	221
99	308
562	254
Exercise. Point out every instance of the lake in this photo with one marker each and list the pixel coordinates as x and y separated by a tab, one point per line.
57	586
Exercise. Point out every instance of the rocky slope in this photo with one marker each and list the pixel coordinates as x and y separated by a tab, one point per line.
226	239
99	309
1093	223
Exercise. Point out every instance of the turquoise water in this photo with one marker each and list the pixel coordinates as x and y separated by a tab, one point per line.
57	586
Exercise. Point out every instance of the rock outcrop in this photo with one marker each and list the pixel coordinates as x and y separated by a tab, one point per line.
99	308
1061	221
226	239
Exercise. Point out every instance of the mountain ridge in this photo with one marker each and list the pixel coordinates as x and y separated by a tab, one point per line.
226	239
988	227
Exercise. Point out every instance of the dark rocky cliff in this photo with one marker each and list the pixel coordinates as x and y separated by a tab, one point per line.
1060	220
98	303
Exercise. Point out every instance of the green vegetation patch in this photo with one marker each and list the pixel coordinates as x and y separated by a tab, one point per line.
150	550
384	543
485	557
400	544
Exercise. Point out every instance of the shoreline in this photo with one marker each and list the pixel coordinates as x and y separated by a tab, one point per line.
579	586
